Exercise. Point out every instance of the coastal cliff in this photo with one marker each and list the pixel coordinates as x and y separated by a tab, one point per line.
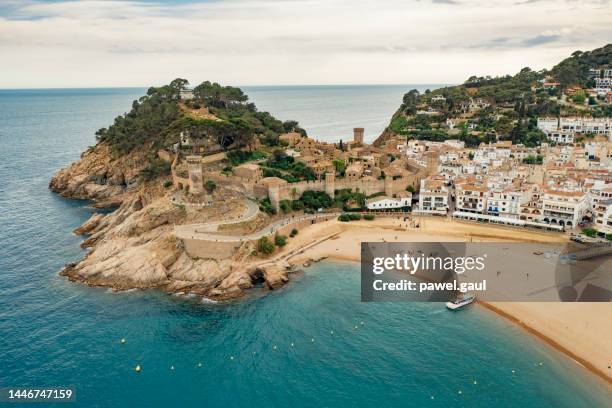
134	246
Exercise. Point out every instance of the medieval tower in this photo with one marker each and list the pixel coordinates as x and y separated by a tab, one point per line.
358	135
194	166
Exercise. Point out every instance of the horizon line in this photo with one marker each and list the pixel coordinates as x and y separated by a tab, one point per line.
236	86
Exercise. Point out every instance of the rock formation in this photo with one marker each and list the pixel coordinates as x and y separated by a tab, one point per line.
134	246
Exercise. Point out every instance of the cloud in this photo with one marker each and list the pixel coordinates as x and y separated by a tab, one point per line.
129	42
541	39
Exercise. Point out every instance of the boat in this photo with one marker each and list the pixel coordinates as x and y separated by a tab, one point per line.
460	302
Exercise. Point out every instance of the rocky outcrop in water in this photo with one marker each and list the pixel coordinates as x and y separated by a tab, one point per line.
96	176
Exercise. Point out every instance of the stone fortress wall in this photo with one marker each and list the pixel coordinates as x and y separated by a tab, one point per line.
292	191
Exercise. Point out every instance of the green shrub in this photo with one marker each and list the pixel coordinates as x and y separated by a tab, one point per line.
368	217
280	240
344	196
265	246
609	237
294	232
589	232
297	205
285	206
167	184
155	168
346	217
210	186
266	206
237	157
316	199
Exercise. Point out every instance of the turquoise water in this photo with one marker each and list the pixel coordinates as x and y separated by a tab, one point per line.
55	333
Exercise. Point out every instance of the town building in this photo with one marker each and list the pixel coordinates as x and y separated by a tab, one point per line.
401	200
433	195
566	208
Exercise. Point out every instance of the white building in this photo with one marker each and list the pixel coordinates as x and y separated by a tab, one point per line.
186	94
576	125
389	203
506	202
565	208
433	195
602	217
561	137
471	197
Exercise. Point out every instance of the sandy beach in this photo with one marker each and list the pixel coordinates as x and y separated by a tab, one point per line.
581	330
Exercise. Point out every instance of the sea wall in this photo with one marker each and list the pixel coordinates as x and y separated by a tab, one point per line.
207	247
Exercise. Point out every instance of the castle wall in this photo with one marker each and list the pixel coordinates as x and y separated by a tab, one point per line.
293	191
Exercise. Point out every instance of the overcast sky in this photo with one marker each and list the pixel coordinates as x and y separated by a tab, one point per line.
248	42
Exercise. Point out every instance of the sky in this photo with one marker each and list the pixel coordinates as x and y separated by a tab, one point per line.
106	43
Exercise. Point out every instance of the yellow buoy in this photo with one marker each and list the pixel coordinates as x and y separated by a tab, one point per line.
199	364
540	364
137	368
312	340
475	382
291	344
123	341
459	392
231	357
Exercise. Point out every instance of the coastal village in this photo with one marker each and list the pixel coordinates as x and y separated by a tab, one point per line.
564	183
222	198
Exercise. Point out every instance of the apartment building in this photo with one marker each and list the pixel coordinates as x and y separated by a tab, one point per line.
563	207
471	197
505	202
433	195
602	217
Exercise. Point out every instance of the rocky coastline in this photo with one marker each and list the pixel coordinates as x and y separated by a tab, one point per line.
134	247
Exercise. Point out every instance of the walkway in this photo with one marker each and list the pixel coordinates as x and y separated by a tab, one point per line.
202	231
185	231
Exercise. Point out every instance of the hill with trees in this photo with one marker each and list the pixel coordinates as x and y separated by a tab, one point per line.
158	118
484	109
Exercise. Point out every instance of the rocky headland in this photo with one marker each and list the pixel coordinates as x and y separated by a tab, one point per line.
134	246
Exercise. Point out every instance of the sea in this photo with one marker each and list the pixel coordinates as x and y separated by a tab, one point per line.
311	343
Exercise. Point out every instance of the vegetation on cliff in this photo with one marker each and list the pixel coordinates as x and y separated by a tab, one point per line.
574	70
158	118
485	109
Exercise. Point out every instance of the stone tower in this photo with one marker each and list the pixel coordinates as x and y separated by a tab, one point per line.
194	166
330	184
433	162
389	186
274	196
358	135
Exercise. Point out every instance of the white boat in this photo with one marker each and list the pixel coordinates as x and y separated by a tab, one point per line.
460	302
